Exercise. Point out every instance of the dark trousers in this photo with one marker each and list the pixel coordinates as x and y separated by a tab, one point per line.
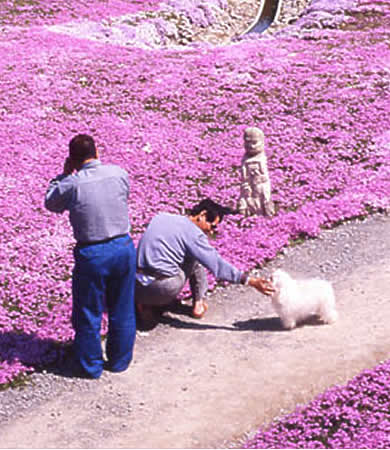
164	290
104	275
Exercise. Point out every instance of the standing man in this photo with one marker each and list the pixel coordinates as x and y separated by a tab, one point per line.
104	272
174	249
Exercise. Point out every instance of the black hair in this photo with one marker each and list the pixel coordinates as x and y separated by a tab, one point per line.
82	147
213	210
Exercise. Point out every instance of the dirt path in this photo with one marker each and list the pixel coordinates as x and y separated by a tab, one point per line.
202	384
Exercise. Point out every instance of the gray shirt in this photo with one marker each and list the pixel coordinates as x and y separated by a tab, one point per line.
96	198
170	240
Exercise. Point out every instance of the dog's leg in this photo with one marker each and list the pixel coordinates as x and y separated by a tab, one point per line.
330	316
328	312
288	323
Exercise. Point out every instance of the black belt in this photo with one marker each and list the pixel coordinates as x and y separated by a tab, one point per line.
103	241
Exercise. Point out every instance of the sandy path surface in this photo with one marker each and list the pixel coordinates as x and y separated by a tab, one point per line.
203	384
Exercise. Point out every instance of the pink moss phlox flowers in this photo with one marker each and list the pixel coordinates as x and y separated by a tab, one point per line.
355	415
174	119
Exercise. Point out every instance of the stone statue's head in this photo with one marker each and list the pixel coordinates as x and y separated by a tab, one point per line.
253	141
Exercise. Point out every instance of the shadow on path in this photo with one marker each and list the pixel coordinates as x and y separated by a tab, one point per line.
265	324
273	324
175	322
261	324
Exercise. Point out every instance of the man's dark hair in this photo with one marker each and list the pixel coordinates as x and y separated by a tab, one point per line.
213	210
82	147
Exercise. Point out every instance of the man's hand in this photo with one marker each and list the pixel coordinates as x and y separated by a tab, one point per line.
262	285
68	167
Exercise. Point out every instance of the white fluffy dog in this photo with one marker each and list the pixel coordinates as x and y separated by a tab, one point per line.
297	300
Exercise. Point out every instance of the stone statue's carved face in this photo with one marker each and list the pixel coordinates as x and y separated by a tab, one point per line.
253	141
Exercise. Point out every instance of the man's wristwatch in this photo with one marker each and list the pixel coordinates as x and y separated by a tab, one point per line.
245	279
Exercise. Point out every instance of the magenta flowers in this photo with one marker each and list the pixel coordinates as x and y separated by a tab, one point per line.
174	119
352	416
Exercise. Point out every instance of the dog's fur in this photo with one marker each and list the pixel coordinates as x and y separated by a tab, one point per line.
297	300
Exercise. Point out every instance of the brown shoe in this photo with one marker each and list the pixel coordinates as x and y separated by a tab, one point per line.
146	317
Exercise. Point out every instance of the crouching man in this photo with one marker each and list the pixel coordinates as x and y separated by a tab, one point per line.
174	249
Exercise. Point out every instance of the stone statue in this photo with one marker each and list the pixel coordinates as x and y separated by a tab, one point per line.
255	195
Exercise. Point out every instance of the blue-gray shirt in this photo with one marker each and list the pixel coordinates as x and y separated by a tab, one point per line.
171	239
96	198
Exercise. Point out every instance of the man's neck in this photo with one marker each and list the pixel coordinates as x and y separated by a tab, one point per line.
89	160
86	162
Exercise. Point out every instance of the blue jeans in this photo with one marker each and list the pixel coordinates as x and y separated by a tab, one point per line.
104	275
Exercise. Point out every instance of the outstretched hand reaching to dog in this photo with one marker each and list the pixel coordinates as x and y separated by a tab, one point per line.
262	285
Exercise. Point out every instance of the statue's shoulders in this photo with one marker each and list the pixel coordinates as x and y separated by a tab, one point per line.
259	157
